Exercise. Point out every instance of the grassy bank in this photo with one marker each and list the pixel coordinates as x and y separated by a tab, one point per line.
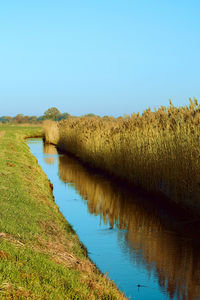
40	255
159	150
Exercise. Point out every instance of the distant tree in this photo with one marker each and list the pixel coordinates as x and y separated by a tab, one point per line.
52	113
40	119
19	118
25	119
33	119
5	119
64	116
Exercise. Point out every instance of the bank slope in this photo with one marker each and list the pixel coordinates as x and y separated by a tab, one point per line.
41	257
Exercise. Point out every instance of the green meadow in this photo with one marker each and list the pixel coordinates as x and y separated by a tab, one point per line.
41	256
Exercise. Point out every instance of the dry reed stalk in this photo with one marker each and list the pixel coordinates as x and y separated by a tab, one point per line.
51	131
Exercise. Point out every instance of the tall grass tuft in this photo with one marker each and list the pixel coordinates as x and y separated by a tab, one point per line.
51	131
158	150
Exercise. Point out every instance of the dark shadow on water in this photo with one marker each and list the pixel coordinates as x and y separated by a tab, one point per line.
165	237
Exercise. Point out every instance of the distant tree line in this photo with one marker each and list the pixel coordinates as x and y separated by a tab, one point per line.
50	114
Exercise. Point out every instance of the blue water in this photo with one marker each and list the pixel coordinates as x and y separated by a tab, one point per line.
124	237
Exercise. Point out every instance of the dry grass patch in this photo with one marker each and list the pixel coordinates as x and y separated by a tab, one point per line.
2	133
10	238
9	291
4	255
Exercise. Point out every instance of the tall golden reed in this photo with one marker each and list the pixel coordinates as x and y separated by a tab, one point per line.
159	151
51	132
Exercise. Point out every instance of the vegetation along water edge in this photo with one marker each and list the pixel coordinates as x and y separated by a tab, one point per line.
41	256
158	150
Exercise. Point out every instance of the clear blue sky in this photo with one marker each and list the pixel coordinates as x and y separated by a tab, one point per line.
109	57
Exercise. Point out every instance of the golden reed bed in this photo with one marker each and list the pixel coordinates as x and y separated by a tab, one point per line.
159	151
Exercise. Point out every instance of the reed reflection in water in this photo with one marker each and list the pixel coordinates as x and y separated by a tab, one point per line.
50	150
150	231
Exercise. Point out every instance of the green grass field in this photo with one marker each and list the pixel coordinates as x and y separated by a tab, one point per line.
40	254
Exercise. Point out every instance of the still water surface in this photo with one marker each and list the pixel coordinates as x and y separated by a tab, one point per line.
136	243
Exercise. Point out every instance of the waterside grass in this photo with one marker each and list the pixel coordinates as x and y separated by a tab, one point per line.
40	254
158	150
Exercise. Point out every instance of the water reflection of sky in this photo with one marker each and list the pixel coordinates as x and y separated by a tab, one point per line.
125	238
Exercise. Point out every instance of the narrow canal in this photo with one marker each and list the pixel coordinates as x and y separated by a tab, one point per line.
135	242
